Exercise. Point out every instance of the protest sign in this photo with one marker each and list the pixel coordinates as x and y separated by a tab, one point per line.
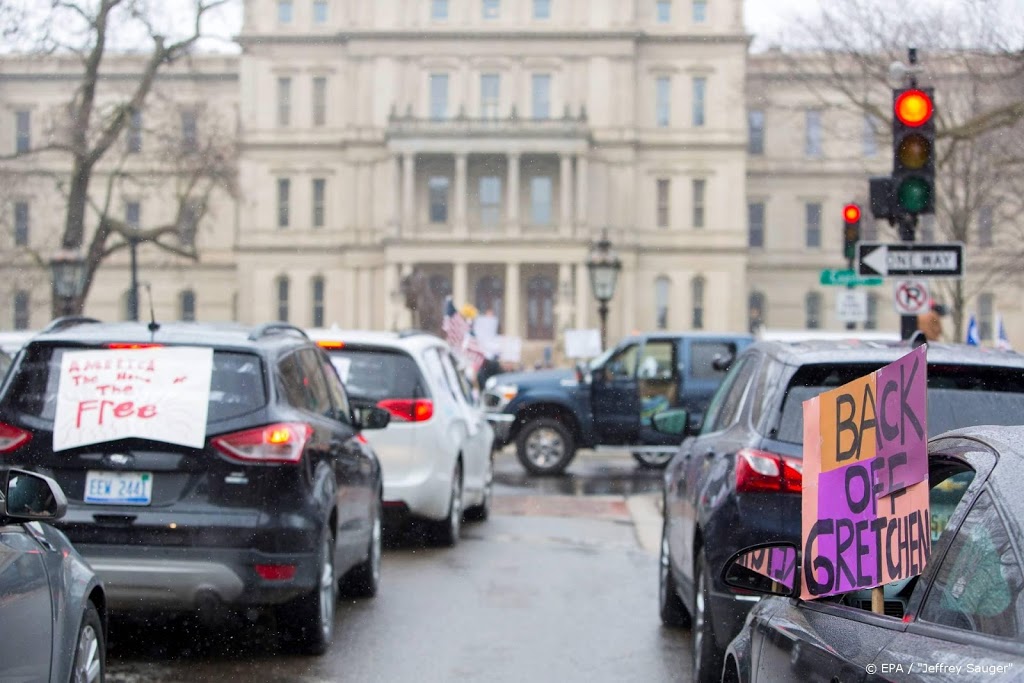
582	343
777	563
159	393
865	481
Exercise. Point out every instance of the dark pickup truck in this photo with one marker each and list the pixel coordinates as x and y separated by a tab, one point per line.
548	414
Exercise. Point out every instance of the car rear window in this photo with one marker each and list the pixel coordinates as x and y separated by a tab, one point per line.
378	374
958	396
236	387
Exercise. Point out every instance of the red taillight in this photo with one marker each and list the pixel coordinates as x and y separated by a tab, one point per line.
12	438
120	346
277	443
326	344
276	572
409	409
760	471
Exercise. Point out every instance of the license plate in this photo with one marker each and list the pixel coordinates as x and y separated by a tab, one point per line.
118	488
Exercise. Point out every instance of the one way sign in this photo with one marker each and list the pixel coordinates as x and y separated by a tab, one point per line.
911	258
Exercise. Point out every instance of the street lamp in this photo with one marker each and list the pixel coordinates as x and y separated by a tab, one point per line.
604	266
68	271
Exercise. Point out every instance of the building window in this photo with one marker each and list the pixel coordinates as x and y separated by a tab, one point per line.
985	221
663	11
21	306
985	308
22	131
812	310
21	224
437	188
492	9
697	294
541	9
490	88
189	131
700	11
439	10
284	188
755	131
540	308
540	200
438	96
490	201
700	86
319	101
187	301
133	215
284	11
318	302
541	96
319	194
812	143
284	101
319	11
188	223
872	322
664	190
282	298
662	106
755	311
812	214
133	136
755	224
869	142
699	190
662	290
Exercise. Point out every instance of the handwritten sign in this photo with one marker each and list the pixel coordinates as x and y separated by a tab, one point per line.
866	518
159	393
777	563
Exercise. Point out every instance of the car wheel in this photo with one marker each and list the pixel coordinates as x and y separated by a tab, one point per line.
670	607
364	579
310	618
655	460
707	660
90	653
545	446
479	513
447	531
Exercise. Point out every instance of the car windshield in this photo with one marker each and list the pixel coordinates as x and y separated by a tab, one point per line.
958	396
378	374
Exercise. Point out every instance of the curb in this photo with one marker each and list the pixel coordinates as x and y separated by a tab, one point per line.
647	520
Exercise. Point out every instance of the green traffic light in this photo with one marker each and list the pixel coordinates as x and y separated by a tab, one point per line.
914	195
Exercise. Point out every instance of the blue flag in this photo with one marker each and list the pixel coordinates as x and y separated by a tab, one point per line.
972	332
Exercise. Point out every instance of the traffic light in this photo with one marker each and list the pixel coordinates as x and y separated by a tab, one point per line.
851	230
913	148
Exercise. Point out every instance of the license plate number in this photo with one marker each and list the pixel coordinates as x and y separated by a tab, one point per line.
118	488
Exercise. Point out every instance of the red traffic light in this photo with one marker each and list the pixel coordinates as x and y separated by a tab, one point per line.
851	213
913	108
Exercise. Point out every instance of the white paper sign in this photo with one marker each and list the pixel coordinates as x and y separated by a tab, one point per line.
582	343
342	365
159	393
510	349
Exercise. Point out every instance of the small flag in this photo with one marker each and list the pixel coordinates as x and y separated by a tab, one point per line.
1002	341
459	333
972	332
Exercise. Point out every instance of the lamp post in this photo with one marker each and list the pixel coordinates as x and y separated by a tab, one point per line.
68	273
604	266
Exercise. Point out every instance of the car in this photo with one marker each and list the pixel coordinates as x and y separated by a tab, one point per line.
208	467
53	612
436	452
960	618
736	480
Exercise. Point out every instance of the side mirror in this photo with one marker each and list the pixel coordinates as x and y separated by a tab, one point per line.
722	362
373	417
767	568
674	421
33	497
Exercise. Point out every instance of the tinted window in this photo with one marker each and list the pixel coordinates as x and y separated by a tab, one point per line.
289	377
734	382
702	357
730	406
342	409
236	387
318	397
378	374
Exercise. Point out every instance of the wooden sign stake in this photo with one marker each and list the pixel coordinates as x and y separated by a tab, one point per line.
878	600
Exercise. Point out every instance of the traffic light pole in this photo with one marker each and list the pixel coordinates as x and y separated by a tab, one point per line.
907	223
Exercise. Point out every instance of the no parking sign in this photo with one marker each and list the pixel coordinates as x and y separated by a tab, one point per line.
911	297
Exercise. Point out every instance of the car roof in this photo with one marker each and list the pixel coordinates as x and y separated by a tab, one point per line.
689	334
407	339
842	351
217	334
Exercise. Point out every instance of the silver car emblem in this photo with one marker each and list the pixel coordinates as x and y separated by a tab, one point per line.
119	459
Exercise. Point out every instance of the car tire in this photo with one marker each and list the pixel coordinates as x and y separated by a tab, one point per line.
707	659
480	513
670	607
310	618
446	532
655	460
363	580
545	446
90	664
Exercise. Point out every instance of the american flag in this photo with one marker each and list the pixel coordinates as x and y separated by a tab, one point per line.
459	333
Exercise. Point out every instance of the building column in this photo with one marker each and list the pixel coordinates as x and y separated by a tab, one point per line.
408	192
365	297
514	227
397	199
563	303
583	296
512	323
582	187
565	185
392	297
461	227
627	300
459	273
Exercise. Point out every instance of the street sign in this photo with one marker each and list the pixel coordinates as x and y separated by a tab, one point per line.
844	278
852	306
911	258
911	297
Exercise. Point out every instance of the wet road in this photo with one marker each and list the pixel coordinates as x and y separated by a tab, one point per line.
556	586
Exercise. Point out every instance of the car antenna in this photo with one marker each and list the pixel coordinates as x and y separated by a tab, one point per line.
153	325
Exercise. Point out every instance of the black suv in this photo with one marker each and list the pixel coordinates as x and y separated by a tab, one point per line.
737	480
278	504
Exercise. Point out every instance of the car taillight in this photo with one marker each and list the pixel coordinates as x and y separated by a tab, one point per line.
327	344
408	409
277	443
12	438
121	346
276	572
760	471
